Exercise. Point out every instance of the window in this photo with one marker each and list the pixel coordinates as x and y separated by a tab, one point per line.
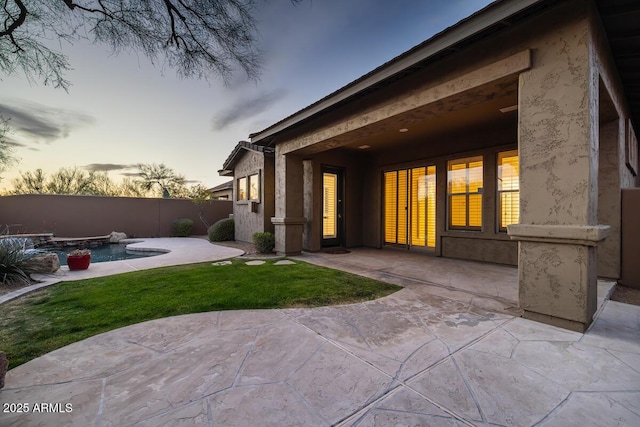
254	187
241	189
248	187
464	191
508	189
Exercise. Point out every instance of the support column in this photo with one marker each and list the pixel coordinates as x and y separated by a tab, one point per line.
558	149
289	221
610	197
309	232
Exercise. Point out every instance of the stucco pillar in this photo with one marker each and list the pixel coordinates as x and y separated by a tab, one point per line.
289	221
558	148
307	203
609	197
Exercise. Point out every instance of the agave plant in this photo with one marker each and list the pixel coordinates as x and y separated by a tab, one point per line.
15	254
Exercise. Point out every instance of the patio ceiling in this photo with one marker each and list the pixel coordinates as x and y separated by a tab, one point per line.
472	110
435	129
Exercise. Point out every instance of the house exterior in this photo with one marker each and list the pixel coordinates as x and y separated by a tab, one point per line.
506	138
252	167
223	191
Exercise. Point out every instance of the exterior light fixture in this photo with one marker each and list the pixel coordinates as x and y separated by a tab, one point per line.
364	147
403	130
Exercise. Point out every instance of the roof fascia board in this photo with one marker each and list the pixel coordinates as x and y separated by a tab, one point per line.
443	41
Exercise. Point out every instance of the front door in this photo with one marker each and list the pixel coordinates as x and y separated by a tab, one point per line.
332	207
410	207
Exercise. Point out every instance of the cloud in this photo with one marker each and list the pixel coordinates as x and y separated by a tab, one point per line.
13	142
107	167
246	108
38	123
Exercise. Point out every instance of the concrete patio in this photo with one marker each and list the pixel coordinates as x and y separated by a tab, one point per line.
416	357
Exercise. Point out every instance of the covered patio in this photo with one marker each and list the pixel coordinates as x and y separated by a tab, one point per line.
487	142
473	284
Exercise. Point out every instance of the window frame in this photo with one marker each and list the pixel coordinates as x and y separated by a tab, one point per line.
480	191
241	186
259	189
499	192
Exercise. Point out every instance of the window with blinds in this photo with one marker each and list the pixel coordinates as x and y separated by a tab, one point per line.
464	188
410	206
508	189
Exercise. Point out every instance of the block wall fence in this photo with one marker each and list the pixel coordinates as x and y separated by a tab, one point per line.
87	216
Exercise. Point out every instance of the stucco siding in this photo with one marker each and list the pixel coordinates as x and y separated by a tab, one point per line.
246	221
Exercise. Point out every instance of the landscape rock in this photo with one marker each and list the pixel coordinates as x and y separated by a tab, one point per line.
45	263
4	364
116	236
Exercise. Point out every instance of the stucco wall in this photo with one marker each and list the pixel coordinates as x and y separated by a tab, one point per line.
630	271
86	216
247	222
614	174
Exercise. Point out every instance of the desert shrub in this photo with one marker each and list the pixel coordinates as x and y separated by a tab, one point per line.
181	227
222	230
264	242
15	254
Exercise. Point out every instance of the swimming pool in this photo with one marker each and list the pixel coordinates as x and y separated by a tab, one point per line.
106	253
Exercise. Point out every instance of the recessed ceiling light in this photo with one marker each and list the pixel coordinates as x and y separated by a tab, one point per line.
508	109
403	130
364	147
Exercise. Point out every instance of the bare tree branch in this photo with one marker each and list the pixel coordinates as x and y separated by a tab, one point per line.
199	38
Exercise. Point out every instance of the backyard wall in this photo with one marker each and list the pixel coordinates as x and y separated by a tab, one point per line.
86	216
630	274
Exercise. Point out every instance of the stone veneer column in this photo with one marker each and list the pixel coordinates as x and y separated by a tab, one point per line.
558	148
288	222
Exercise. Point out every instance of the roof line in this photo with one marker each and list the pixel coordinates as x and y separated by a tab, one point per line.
492	14
227	167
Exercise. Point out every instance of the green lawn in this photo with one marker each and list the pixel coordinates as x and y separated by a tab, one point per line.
68	312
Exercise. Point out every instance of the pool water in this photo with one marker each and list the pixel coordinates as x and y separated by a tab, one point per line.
106	253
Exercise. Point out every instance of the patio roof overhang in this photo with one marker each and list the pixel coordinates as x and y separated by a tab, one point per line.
489	20
482	98
620	18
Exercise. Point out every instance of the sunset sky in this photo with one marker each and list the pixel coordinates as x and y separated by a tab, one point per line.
121	111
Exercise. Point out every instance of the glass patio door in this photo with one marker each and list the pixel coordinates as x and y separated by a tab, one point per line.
410	207
332	207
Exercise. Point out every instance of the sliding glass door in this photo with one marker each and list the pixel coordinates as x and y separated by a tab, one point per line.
410	207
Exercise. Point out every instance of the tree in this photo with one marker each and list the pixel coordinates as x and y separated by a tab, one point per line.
200	196
199	38
30	183
154	180
6	151
130	188
70	181
64	181
168	181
